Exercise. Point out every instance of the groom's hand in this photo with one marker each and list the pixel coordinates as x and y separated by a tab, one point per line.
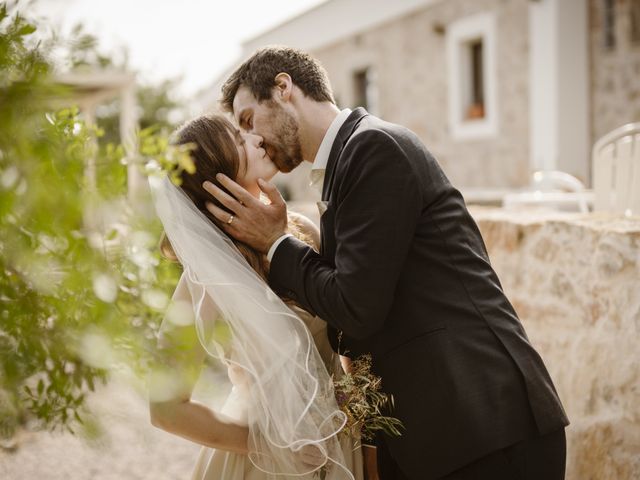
254	223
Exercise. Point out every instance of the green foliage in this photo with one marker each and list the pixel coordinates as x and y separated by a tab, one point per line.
160	157
158	107
366	407
82	284
360	397
83	51
158	104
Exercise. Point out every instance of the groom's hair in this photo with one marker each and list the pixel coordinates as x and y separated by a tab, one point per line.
259	72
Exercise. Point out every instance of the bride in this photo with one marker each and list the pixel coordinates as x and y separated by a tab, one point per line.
281	419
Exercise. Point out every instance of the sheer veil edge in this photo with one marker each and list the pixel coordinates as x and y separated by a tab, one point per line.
291	400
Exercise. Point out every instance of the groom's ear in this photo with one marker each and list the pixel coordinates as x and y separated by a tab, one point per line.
284	86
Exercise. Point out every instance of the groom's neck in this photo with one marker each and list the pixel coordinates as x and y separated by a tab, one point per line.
315	119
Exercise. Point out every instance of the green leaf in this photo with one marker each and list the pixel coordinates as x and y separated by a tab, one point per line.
26	30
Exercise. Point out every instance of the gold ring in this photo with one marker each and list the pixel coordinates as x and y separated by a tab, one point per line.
230	220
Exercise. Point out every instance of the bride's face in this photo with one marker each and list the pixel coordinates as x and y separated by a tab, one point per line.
254	162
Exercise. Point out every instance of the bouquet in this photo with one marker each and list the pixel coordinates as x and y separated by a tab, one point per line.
359	396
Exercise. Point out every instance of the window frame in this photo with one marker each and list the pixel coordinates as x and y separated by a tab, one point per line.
369	74
461	34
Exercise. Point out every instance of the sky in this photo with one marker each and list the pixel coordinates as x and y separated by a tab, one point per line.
193	39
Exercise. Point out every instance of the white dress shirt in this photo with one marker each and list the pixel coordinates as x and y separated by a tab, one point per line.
319	164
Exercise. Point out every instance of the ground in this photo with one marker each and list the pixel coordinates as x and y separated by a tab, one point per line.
129	449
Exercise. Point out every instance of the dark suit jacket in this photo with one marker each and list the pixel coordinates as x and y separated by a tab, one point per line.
403	273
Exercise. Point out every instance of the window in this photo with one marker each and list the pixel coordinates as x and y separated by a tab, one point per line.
634	17
475	104
472	80
365	89
609	24
361	84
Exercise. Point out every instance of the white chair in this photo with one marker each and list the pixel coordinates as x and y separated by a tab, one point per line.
616	171
554	181
551	190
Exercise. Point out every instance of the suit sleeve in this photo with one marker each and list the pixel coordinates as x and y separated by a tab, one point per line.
378	203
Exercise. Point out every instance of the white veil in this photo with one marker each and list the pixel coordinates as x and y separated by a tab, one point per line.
291	401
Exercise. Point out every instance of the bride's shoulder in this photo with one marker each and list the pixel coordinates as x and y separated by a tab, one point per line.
306	226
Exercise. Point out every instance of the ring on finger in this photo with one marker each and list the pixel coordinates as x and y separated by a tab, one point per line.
230	219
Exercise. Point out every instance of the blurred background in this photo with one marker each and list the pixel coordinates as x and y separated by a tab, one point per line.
532	107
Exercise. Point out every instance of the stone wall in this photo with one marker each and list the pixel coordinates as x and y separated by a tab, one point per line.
409	56
575	282
615	72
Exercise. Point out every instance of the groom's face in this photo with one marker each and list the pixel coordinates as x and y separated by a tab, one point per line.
274	123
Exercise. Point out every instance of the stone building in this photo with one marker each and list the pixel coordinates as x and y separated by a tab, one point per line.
496	89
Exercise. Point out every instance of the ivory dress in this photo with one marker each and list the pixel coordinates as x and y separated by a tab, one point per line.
221	465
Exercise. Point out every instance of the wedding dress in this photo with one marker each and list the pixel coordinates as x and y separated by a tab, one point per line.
280	362
220	465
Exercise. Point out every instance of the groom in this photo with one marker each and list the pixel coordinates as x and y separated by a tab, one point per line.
402	274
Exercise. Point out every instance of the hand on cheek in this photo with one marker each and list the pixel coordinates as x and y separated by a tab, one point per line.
251	221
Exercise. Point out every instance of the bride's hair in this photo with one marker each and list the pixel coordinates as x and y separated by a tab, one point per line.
215	151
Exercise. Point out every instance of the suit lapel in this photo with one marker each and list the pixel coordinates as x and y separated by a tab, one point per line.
345	132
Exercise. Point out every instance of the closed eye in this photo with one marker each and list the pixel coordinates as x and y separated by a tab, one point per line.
239	138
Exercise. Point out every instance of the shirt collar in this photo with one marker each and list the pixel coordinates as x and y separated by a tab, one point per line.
322	157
